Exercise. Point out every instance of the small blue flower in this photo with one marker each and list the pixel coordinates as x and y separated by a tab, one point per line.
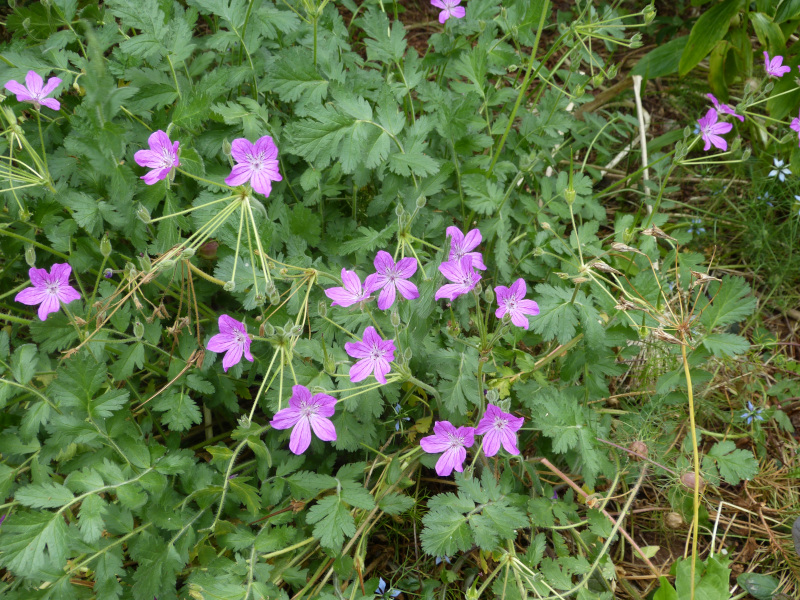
696	230
779	171
797	205
381	591
752	413
397	410
440	559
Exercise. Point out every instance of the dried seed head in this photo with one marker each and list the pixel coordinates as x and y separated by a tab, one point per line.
624	304
662	335
702	278
687	479
659	233
580	280
605	268
625	248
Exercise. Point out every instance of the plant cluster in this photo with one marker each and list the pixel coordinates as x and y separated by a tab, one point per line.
135	464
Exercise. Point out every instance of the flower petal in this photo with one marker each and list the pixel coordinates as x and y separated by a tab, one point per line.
341	297
52	84
22	93
300	438
67	294
241	150
383	262
31	296
51	103
49	304
433	444
266	147
357	349
491	442
387	296
361	370
34	83
323	428
261	183
232	357
406	267
240	174
284	419
407	289
351	281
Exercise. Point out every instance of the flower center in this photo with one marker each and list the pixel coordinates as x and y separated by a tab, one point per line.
307	410
499	423
375	353
166	157
240	337
52	287
256	162
511	304
455	441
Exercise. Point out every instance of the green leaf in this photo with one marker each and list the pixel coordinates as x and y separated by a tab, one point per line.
726	344
787	11
707	31
23	365
333	522
557	314
731	302
768	33
44	495
446	530
132	357
32	541
369	240
734	465
762	587
247	494
662	60
180	411
395	503
666	591
413	160
90	520
305	484
294	77
458	372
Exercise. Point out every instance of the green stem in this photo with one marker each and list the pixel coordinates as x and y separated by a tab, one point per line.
695	529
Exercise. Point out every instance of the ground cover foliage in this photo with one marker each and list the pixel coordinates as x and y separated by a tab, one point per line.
145	440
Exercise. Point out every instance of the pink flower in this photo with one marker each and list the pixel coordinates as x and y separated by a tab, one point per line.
161	158
35	90
375	354
49	289
233	340
796	126
498	427
461	246
450	8
350	294
461	274
773	67
256	163
392	278
711	130
512	301
723	108
453	442
304	414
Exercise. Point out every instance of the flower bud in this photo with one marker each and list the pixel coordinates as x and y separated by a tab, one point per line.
673	520
489	295
208	250
105	246
569	196
30	255
768	87
167	264
395	318
226	147
130	271
636	41
688	480
322	308
561	275
187	253
537	252
144	262
597	80
138	330
143	214
267	329
275	298
492	396
25	215
746	153
421	201
546	226
108	273
329	364
687	131
229	286
640	448
649	13
399	210
296	331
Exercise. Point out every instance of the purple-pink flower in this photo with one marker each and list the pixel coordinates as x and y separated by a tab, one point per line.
375	354
35	90
795	125
711	130
498	427
256	163
450	8
773	67
304	414
162	157
512	301
462	245
49	289
724	108
452	442
391	278
350	294
233	340
461	274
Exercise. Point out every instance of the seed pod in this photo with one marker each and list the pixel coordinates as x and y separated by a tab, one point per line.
662	335
625	248
143	214
30	255
702	278
623	304
145	264
657	232
229	286
604	267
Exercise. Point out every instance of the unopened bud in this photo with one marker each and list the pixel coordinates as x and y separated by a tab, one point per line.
395	318
105	246
408	354
130	271
421	201
561	275
597	80
30	255
688	480
322	308
746	153
687	131
768	87
636	40
546	226
275	298
649	13
138	330
399	210
143	214
166	264
639	450
266	329
296	331
208	250
538	252
187	253
145	264
329	365
492	396
569	196
229	286
226	147
489	295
